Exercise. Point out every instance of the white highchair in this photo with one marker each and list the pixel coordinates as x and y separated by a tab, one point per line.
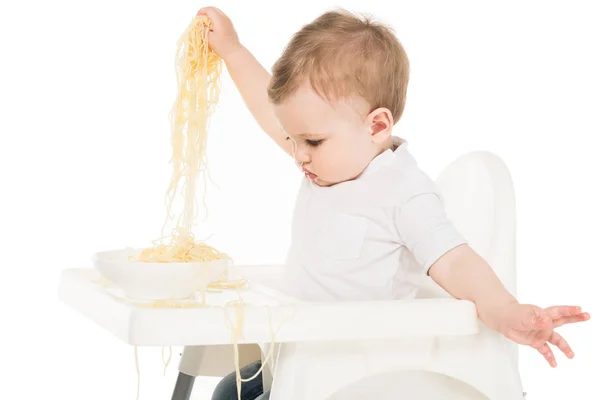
430	348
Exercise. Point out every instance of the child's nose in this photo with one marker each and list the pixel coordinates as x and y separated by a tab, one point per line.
302	156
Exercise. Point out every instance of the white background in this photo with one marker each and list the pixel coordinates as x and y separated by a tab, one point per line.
86	88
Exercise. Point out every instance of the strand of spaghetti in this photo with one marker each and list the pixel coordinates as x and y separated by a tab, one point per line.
237	330
272	347
166	363
270	354
137	368
269	358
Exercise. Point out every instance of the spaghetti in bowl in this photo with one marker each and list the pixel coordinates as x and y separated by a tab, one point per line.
157	280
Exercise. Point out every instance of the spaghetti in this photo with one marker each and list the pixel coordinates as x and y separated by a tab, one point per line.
198	69
198	78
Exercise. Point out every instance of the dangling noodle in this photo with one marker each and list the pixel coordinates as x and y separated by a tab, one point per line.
236	332
167	361
198	71
137	369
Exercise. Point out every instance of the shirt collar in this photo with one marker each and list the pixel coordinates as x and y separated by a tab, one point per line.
385	158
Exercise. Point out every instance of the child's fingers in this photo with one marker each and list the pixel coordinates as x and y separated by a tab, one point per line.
556	312
562	344
221	13
206	10
211	12
548	354
570	320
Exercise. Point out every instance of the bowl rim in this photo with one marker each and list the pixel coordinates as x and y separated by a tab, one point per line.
98	257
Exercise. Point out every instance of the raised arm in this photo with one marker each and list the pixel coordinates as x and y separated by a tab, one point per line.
249	76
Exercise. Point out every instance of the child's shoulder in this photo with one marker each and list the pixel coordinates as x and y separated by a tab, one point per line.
400	180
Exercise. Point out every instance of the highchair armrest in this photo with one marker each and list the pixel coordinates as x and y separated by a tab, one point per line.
377	320
268	315
381	320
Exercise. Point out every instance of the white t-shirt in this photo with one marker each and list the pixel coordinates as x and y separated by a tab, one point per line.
372	238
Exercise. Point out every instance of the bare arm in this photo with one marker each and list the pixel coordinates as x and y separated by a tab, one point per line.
466	275
251	80
249	76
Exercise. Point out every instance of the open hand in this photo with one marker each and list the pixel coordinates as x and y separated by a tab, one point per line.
533	326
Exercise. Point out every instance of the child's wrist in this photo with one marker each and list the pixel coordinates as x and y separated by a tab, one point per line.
233	52
494	314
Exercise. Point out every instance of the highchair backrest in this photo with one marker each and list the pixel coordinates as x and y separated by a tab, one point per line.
478	195
479	198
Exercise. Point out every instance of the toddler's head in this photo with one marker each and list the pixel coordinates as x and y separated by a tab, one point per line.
337	90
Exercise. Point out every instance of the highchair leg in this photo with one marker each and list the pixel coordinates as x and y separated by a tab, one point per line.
209	361
183	387
189	366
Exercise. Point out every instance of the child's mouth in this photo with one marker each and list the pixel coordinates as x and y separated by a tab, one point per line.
309	174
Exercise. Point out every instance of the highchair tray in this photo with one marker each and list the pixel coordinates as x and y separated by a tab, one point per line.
268	315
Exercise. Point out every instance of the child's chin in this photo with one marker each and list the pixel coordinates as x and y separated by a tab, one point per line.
320	182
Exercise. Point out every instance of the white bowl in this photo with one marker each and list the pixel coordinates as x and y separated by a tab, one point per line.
156	281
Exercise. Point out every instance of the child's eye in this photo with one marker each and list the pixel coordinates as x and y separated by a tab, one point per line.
314	143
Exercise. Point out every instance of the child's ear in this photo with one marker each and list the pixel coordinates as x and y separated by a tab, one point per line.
380	122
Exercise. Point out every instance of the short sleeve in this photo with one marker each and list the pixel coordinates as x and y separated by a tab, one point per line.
425	229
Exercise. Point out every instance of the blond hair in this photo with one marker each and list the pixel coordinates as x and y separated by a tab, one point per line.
342	54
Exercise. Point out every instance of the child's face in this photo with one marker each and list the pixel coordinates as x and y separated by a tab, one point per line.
332	143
